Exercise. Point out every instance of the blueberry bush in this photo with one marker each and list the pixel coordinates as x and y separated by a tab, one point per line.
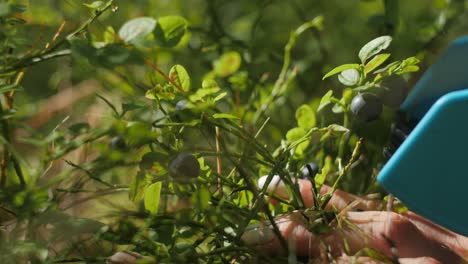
140	128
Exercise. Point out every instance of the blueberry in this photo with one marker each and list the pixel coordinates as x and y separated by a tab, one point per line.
181	105
184	166
309	170
118	142
393	91
366	106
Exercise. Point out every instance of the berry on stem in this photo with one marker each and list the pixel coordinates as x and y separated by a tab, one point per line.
309	170
366	106
184	166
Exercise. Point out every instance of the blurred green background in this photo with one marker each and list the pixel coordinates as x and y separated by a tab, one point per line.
258	30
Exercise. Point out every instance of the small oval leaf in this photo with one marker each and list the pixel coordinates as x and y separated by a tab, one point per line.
180	76
340	68
373	47
305	117
137	28
224	116
152	197
326	99
295	134
170	30
227	64
349	77
376	62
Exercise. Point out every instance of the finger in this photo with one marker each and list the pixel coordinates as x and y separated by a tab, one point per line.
125	257
403	237
458	243
349	238
386	232
352	260
340	199
368	260
421	260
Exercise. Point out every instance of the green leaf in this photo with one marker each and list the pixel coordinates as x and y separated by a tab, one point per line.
78	128
170	30
363	87
137	28
376	62
162	92
180	76
94	5
305	117
440	4
322	176
224	116
4	9
209	83
152	197
339	69
209	87
137	187
220	96
116	54
126	107
337	128
10	87
139	133
408	65
109	34
389	68
201	198
373	47
295	134
349	77
411	61
337	108
17	8
227	64
409	68
326	99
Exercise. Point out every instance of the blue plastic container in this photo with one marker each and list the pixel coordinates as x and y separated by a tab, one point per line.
429	170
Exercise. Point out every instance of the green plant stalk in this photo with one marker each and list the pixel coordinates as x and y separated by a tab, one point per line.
51	52
345	137
282	82
258	202
7	137
343	172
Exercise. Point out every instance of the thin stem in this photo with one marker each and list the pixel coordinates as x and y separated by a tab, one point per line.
6	135
51	53
158	70
283	81
219	169
352	160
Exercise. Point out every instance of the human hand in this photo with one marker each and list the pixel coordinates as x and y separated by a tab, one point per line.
406	238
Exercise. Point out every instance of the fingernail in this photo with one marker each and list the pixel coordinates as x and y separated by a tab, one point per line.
276	186
257	234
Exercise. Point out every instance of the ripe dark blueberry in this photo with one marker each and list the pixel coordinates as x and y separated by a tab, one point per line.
366	106
184	166
118	142
309	170
393	91
181	105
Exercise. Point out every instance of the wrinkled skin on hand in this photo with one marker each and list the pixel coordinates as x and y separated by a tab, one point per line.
407	237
